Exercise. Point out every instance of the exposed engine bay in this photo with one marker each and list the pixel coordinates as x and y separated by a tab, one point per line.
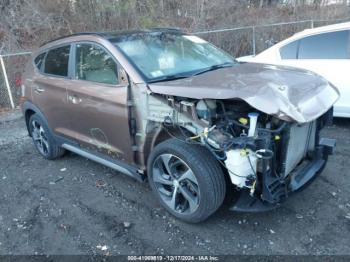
260	152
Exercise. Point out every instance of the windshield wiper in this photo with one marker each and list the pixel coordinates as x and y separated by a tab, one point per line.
169	77
186	75
214	67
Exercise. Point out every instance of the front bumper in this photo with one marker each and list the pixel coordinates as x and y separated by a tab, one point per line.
297	180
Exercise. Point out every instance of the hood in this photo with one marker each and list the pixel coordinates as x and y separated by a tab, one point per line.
288	93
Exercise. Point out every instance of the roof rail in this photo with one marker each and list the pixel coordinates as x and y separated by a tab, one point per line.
167	28
107	34
76	34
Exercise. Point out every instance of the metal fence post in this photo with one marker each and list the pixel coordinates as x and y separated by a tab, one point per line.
6	81
254	41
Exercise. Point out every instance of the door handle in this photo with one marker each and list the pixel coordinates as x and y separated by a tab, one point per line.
74	99
38	90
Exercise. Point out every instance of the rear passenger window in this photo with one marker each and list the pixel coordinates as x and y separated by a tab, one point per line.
94	64
289	51
333	45
56	62
38	61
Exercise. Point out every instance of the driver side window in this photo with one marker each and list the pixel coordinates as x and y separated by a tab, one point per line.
94	64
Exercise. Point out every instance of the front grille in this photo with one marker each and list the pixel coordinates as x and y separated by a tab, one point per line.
301	140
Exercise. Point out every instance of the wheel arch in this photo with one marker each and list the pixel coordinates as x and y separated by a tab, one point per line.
160	134
30	109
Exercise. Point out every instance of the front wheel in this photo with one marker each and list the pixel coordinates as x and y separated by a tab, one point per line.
187	180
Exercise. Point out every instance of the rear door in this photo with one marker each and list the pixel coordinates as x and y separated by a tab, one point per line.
327	54
97	101
49	87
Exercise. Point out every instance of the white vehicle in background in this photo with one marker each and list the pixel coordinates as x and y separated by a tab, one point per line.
323	50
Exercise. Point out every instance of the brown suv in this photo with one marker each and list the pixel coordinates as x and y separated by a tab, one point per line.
171	107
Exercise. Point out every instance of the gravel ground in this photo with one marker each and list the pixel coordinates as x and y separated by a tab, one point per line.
75	206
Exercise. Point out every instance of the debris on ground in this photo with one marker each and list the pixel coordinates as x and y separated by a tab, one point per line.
333	194
127	224
64	227
101	183
103	248
59	179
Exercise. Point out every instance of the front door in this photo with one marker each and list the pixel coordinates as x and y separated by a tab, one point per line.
98	103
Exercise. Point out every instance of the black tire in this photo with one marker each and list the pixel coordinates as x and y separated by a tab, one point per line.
48	149
211	185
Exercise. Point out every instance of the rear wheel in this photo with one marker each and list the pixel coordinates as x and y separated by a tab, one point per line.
187	180
43	139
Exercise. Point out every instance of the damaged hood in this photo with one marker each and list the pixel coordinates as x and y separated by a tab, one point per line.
285	92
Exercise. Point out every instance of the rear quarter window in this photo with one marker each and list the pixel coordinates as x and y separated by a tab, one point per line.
56	62
290	50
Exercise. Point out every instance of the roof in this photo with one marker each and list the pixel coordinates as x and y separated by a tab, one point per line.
305	33
116	34
334	27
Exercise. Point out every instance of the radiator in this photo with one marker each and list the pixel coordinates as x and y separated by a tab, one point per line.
301	141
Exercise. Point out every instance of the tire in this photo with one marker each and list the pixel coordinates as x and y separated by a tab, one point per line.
187	180
43	139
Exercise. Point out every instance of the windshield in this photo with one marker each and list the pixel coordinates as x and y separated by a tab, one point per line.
168	55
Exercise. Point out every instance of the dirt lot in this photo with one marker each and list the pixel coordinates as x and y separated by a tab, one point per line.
75	206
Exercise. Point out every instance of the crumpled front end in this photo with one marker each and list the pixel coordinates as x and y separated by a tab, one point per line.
266	158
293	157
261	122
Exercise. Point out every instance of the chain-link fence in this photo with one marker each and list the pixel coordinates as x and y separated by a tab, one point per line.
250	40
11	69
236	41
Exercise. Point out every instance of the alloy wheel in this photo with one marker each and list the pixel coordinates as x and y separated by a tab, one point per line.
40	138
176	183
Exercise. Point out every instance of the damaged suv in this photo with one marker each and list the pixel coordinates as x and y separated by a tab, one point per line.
170	107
